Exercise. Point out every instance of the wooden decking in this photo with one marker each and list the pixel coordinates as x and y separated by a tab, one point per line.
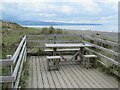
69	76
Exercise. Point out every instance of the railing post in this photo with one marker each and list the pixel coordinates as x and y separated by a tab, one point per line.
54	38
10	70
54	50
25	50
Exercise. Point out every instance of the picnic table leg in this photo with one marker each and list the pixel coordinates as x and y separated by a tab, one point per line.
82	52
54	51
48	66
54	54
76	57
88	63
95	63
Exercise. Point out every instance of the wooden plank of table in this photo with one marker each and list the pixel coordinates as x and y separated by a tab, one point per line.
67	45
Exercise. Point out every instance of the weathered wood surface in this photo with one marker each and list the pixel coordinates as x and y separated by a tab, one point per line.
89	56
52	41
6	62
104	49
55	35
105	57
53	57
67	45
19	62
16	54
62	50
101	40
69	76
20	70
4	79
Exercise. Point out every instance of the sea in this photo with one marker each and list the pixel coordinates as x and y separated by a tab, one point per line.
104	28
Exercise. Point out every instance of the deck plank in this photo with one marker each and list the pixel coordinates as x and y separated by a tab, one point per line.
40	80
79	83
68	83
50	78
44	75
70	75
80	75
71	79
95	80
112	82
34	73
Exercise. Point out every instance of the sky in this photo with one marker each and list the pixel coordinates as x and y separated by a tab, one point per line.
81	11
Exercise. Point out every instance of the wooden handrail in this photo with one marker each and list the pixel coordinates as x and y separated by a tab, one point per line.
17	59
6	62
4	79
104	49
18	62
101	40
60	41
14	57
57	35
103	56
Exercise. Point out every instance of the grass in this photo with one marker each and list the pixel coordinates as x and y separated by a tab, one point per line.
25	74
11	39
110	69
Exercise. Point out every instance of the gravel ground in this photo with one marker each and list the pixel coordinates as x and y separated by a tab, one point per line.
112	36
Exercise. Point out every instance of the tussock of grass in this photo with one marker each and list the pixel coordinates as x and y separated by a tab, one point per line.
25	74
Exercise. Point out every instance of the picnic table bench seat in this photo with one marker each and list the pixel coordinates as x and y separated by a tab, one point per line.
60	50
89	60
53	62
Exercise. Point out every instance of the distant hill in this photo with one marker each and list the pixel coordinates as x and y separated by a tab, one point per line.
10	25
52	23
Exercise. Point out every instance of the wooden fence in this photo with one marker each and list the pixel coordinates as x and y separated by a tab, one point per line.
15	65
84	39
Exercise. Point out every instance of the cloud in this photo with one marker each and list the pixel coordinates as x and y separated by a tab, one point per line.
88	5
112	3
86	11
67	9
47	14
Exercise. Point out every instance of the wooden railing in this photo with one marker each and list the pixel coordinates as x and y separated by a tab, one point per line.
15	64
83	39
40	40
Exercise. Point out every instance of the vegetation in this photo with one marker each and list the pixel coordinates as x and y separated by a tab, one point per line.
12	34
25	74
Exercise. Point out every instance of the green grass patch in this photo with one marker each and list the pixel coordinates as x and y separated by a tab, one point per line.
25	74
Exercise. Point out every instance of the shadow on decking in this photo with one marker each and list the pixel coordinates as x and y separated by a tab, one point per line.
69	76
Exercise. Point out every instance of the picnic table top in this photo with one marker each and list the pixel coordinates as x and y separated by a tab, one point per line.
70	45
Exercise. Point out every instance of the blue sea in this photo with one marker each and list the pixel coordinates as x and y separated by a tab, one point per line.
108	28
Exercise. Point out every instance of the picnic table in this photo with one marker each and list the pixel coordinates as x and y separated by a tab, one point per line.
69	45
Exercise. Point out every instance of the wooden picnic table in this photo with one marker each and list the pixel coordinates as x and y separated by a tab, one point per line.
69	45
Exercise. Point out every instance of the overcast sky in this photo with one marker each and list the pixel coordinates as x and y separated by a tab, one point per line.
84	11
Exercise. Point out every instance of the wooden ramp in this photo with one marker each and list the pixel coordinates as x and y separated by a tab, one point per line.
69	76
